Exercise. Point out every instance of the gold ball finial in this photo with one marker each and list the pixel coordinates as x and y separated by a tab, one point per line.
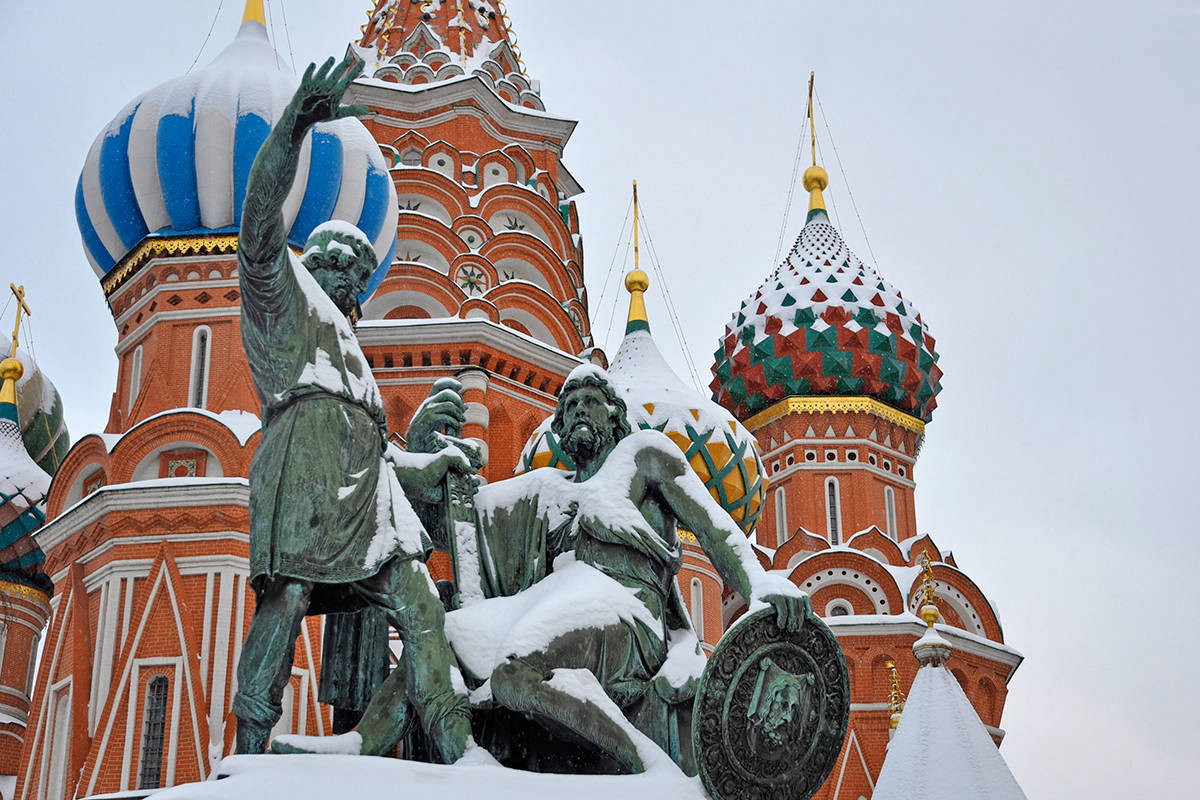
637	281
815	178
11	369
929	613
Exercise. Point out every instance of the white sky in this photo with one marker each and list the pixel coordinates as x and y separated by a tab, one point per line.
1026	176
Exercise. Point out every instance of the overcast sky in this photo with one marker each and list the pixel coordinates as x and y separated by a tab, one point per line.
1026	174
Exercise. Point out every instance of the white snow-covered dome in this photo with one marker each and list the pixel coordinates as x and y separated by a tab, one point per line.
177	158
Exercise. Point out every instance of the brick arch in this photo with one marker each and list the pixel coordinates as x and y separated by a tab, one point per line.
410	139
979	602
181	426
506	197
481	308
874	539
467	224
519	154
537	302
860	601
81	460
442	148
873	579
431	232
434	185
923	544
802	541
477	261
534	252
985	703
412	284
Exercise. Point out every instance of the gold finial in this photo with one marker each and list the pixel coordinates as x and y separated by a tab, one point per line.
815	178
636	282
928	610
19	293
895	696
254	12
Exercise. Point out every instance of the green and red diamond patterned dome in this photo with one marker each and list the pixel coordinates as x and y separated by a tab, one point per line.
825	323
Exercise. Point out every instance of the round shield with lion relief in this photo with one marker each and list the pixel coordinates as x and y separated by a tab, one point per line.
771	712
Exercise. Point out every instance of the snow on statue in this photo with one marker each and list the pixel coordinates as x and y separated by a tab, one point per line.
576	621
330	527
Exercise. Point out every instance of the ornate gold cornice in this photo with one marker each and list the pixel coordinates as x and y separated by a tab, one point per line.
27	593
150	247
836	405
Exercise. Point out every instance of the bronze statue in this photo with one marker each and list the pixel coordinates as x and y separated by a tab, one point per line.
330	527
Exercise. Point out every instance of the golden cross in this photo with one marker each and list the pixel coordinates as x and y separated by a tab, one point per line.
19	293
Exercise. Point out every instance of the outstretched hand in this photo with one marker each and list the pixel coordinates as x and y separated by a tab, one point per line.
319	97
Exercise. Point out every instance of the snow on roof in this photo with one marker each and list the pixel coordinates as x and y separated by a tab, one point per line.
941	750
242	424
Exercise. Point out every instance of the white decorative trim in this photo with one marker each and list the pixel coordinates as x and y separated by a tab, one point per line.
163	316
197	492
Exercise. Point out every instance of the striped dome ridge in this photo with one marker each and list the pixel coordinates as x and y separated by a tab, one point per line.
176	160
825	323
23	489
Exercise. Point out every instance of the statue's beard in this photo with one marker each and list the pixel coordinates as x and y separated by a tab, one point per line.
583	442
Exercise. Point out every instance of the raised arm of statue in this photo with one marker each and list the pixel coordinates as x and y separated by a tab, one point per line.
667	474
263	235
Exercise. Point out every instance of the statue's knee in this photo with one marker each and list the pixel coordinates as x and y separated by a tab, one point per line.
512	677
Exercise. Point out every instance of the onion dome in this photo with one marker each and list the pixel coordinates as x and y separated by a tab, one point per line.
176	160
825	323
23	489
43	426
719	448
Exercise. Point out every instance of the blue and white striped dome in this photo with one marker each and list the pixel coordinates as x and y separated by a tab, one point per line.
177	158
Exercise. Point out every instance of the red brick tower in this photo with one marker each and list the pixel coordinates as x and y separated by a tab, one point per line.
487	282
835	373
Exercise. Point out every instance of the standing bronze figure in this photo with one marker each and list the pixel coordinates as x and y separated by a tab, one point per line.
330	528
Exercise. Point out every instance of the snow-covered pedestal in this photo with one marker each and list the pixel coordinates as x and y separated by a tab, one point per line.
321	777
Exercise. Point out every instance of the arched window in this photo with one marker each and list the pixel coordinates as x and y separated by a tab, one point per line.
833	510
201	353
781	526
31	672
889	506
135	376
696	605
154	719
60	746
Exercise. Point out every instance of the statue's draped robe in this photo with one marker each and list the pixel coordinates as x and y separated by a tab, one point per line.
526	522
324	505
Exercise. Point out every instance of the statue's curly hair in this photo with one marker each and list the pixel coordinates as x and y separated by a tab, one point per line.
598	380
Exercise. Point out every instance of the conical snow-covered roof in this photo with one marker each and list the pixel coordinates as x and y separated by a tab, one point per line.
825	323
177	158
941	751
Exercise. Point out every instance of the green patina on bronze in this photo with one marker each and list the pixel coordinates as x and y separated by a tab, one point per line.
330	530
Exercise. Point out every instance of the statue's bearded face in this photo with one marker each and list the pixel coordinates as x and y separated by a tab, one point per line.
341	265
587	426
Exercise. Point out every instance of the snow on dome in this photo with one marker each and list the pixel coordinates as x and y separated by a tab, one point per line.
177	159
23	489
825	323
941	751
40	407
719	448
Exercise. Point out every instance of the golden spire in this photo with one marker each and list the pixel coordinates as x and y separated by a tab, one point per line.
815	178
895	696
11	369
927	609
636	282
254	12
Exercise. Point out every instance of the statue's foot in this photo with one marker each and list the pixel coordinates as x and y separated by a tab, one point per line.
346	744
452	733
251	738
